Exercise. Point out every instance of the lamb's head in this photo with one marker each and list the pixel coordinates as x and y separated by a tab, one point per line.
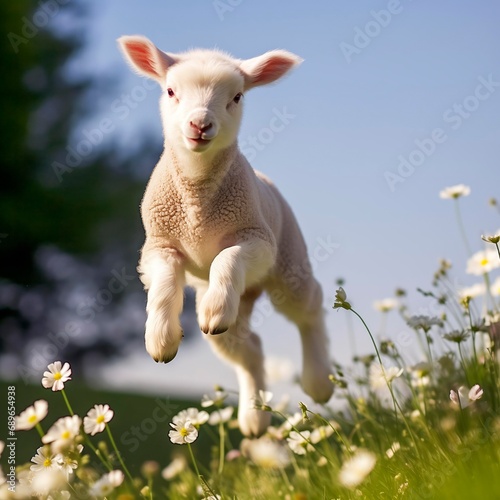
203	90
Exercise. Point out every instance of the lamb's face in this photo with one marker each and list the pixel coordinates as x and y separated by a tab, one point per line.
202	103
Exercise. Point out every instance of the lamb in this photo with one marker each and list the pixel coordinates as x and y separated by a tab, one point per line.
215	224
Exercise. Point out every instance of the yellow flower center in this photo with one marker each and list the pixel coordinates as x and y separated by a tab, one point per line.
57	376
66	435
32	419
183	432
100	419
47	462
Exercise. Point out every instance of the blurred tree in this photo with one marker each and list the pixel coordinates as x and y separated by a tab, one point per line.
69	221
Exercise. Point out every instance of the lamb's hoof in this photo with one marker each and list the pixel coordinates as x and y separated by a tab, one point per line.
165	358
215	331
218	311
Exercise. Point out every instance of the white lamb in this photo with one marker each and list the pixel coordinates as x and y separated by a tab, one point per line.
215	224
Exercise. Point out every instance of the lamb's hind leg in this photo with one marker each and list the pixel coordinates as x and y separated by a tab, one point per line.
163	278
303	305
242	349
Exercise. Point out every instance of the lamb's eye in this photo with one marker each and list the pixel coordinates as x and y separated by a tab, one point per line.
237	97
170	92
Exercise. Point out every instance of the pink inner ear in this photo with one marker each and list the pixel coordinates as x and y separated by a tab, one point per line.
271	70
140	54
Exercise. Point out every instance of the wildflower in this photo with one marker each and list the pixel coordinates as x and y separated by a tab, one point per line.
217	400
46	481
96	419
174	468
456	336
68	465
196	417
183	431
393	449
63	433
45	460
464	397
385	305
423	322
322	432
260	400
491	239
341	299
355	470
32	415
221	416
104	486
267	453
300	443
471	292
482	262
420	374
454	192
150	468
495	287
380	376
56	375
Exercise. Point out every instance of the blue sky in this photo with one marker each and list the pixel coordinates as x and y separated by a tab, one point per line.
377	77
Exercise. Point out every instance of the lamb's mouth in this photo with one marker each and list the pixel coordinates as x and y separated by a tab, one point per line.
198	144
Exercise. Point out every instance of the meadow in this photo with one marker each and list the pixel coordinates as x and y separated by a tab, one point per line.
404	430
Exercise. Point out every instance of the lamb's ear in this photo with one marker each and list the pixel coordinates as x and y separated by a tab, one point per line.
268	67
145	57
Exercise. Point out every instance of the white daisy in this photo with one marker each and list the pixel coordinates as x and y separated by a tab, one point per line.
96	419
464	397
322	432
216	400
380	376
104	486
46	481
495	287
261	400
393	449
44	459
482	262
267	453
63	433
423	322
454	192
32	415
195	416
56	375
356	469
221	416
300	443
174	468
182	432
385	305
473	291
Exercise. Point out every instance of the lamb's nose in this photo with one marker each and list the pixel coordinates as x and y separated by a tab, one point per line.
202	128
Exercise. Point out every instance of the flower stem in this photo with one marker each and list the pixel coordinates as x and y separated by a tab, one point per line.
39	429
221	447
204	484
66	400
118	454
389	384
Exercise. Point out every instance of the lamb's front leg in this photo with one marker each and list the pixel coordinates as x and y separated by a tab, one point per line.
233	270
163	277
